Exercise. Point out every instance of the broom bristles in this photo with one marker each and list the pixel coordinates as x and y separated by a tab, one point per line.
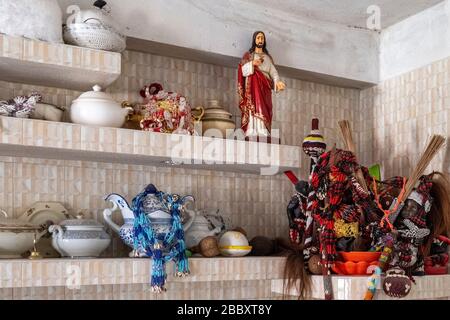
435	144
347	135
350	146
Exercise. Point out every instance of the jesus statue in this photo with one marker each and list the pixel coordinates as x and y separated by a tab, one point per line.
257	77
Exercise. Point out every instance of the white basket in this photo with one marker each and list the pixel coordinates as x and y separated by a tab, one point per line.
94	36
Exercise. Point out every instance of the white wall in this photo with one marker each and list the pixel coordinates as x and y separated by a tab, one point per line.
416	41
225	27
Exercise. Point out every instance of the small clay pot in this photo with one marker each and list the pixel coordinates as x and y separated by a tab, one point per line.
314	265
208	247
396	284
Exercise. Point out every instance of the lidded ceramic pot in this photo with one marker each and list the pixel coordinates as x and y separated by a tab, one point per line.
94	28
215	117
16	236
97	108
79	238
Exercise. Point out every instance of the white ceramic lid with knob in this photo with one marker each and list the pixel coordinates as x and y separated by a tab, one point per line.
96	95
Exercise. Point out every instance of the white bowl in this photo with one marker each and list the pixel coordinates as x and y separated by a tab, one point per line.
13	244
47	111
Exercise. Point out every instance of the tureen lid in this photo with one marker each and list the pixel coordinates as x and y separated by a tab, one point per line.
96	94
217	113
81	222
9	223
100	13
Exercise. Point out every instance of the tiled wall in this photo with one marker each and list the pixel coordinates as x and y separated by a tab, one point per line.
397	118
392	123
256	203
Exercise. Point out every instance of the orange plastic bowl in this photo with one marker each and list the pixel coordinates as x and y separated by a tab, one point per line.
358	256
351	268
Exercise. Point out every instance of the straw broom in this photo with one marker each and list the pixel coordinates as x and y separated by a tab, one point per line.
350	146
436	143
432	149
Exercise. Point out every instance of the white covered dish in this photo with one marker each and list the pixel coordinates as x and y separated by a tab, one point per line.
79	237
97	108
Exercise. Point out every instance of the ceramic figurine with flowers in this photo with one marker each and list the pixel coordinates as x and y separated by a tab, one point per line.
166	112
20	106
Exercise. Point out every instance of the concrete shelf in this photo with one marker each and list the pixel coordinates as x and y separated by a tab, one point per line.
56	65
354	288
24	273
67	141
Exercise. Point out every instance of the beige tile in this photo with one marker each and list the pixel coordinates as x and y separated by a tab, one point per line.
125	141
7	187
86	188
6	294
133	292
11	130
54	273
39	293
40	51
37	182
51	134
11	274
11	47
97	292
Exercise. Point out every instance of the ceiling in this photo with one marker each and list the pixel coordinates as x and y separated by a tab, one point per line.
349	12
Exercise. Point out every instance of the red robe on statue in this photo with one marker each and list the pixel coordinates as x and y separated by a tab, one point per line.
255	95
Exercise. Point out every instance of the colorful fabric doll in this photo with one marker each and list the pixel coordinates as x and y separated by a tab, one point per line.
161	247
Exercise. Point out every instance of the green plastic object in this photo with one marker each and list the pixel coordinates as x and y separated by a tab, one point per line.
375	171
188	253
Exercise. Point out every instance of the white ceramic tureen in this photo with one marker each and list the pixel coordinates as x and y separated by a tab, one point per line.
98	108
79	238
17	236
